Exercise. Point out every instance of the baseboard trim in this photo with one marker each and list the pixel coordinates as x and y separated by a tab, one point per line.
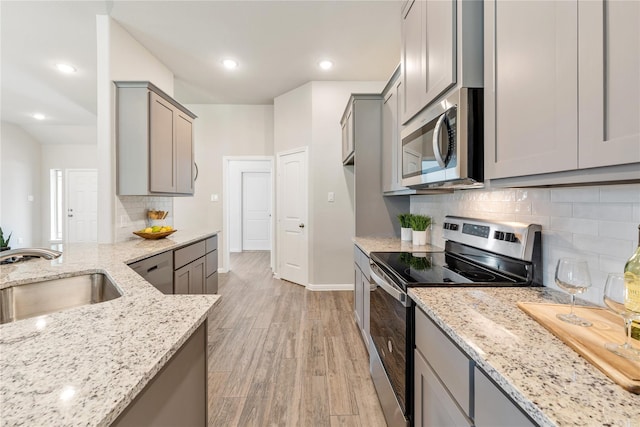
222	270
331	287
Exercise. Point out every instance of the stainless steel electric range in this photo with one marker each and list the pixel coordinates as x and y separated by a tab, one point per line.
477	253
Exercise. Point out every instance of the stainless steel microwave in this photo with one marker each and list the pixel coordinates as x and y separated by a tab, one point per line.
443	145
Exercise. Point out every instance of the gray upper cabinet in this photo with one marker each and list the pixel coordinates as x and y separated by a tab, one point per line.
562	93
530	87
154	142
428	52
348	143
391	144
609	90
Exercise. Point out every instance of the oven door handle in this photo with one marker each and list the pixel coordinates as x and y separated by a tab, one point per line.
387	287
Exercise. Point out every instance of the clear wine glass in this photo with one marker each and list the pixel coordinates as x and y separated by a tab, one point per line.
572	275
615	293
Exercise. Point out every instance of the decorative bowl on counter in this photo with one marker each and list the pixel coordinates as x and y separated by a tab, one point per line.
154	236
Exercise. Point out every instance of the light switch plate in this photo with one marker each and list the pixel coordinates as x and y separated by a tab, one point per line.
331	197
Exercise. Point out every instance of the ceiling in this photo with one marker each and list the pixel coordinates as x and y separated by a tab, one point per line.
277	44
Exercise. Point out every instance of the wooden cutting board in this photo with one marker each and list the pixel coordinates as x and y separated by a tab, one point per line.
589	341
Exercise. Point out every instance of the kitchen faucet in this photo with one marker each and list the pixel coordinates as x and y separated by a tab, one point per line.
32	252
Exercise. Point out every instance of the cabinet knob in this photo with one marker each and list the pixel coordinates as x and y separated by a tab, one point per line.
301	225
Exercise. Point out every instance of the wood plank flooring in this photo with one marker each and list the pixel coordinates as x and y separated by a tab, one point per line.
282	355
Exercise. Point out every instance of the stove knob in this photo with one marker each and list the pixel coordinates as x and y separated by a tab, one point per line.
509	237
499	235
453	227
446	225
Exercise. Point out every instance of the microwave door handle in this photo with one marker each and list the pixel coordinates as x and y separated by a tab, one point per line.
395	293
436	141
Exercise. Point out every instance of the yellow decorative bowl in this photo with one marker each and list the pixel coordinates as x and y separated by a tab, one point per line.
154	236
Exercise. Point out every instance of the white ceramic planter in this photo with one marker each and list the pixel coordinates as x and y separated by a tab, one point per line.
419	238
406	234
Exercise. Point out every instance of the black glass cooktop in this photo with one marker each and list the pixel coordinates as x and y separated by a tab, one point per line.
441	269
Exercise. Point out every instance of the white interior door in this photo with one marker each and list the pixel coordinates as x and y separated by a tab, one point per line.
82	205
256	211
292	189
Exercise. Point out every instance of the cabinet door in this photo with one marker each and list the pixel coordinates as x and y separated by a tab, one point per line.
412	58
211	284
530	87
184	153
190	279
357	297
161	147
389	131
609	86
493	408
433	406
348	147
439	50
366	309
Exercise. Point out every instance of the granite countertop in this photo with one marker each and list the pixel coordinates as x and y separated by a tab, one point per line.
85	365
385	244
549	380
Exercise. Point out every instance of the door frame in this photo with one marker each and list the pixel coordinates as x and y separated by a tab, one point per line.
65	201
226	208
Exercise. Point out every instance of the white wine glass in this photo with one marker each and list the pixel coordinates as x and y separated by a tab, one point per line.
615	295
572	275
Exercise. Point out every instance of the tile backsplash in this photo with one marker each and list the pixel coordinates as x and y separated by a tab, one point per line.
596	223
131	214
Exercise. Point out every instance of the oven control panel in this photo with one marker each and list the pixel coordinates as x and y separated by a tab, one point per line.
512	239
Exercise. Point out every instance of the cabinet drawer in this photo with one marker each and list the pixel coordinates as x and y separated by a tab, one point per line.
211	284
212	262
187	254
450	364
362	261
211	243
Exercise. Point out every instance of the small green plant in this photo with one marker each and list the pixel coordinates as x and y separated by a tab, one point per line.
4	243
420	222
417	263
405	220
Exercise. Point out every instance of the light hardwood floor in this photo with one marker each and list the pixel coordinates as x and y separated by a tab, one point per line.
282	355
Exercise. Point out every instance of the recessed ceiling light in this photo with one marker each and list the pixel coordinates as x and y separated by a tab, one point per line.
325	64
230	64
38	116
66	68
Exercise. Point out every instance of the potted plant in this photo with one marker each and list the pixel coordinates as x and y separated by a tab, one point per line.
405	226
4	244
419	225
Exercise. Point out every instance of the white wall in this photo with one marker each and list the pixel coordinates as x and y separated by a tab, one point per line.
596	223
310	116
62	156
221	130
20	167
120	57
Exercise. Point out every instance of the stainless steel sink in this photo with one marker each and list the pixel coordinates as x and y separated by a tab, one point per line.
38	298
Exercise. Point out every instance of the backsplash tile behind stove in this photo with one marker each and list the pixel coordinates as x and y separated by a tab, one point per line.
596	223
131	214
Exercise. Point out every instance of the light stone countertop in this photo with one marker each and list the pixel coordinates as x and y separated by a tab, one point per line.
383	244
550	381
85	365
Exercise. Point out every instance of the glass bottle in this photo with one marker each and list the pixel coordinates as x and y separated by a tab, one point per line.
632	282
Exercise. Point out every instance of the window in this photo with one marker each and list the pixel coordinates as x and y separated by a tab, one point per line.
56	204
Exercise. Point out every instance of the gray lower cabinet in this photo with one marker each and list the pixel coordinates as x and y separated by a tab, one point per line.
190	278
196	268
211	281
157	270
493	408
449	390
177	395
361	299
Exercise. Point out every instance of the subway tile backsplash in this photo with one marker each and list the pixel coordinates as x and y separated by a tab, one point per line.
596	223
131	214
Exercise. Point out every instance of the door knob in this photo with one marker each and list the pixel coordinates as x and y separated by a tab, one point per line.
301	225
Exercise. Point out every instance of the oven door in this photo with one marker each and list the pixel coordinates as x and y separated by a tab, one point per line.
391	360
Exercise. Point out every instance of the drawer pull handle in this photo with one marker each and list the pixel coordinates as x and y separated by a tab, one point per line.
149	270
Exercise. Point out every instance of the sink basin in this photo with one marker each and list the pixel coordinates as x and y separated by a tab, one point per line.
38	298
